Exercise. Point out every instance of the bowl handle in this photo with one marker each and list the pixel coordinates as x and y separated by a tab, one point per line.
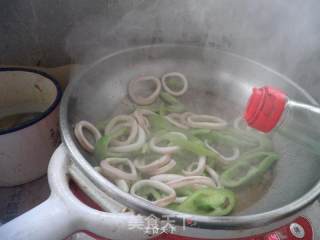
51	220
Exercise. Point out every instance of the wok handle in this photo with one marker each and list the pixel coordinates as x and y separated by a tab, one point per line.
51	220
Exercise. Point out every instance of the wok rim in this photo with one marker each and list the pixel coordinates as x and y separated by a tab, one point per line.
144	207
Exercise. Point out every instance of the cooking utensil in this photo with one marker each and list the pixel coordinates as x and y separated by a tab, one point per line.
27	145
228	79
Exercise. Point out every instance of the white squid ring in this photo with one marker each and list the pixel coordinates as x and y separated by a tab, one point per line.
214	175
191	180
125	120
122	184
170	198
130	139
201	165
115	173
206	121
153	165
164	168
184	116
166	177
181	77
144	100
168	149
143	121
141	139
175	119
226	160
83	141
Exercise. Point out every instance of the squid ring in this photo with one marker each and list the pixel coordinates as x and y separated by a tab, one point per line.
123	120
181	77
116	173
164	168
122	184
191	180
153	165
141	139
157	185
133	132
184	116
83	141
167	149
206	121
201	165
143	121
222	158
175	119
166	177
144	100
214	175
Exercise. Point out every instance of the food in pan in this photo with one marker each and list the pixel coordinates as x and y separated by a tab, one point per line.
176	157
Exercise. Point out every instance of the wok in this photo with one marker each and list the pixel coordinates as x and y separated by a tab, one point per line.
229	79
95	94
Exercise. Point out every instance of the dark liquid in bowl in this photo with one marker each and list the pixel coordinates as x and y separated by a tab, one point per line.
16	120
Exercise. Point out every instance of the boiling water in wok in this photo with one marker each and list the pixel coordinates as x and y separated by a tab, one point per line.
166	148
219	85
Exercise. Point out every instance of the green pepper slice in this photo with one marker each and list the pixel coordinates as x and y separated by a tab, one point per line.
249	167
168	98
174	105
158	123
100	148
208	201
194	145
176	108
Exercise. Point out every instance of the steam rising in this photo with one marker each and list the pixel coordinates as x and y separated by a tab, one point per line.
280	34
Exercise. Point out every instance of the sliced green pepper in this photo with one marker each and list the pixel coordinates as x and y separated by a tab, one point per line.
174	83
168	98
100	148
184	191
195	146
158	123
208	201
248	168
162	110
225	137
198	132
174	105
176	108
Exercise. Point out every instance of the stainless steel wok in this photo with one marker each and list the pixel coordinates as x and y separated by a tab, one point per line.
95	94
229	79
